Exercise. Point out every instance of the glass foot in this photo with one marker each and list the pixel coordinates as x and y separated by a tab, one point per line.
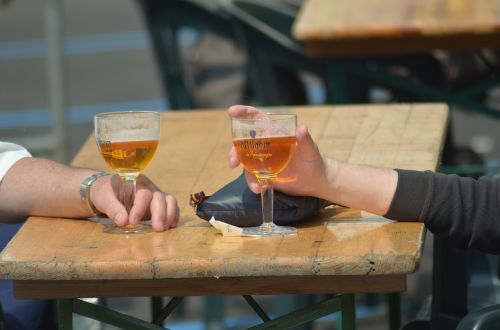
269	230
128	229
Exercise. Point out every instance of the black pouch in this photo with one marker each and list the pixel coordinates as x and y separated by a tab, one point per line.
237	205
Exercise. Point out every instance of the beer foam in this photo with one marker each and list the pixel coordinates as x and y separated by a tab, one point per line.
131	135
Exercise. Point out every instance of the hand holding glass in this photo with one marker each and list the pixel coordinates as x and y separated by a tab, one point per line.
265	145
127	141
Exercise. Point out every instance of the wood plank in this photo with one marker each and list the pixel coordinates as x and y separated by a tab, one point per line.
324	19
400	45
364	27
210	286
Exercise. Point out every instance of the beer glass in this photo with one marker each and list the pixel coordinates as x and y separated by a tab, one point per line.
127	141
265	145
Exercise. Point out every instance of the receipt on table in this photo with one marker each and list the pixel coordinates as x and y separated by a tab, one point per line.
227	229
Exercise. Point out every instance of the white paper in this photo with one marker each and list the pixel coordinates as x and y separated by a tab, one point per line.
226	229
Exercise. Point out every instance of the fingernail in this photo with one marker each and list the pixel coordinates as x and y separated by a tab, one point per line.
133	220
121	218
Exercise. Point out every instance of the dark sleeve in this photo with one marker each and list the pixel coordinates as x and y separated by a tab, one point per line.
464	209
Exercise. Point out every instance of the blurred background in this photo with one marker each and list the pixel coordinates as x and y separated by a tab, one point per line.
109	64
63	62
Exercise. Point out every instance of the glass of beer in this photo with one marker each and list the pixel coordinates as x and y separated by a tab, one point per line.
265	145
127	141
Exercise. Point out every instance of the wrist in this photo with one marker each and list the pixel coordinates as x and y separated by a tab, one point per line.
86	192
332	170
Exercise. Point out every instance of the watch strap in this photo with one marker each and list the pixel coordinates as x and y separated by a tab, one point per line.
85	192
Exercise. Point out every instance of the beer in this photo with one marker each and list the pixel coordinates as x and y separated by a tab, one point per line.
128	156
265	157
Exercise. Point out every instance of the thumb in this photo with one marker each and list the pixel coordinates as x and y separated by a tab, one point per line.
253	185
306	147
112	207
233	159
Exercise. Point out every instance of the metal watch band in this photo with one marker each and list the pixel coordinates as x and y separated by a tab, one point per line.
85	192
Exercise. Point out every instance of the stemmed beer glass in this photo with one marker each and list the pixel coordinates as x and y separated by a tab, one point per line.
265	145
127	141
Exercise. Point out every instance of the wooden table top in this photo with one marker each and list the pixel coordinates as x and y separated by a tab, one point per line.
365	27
191	158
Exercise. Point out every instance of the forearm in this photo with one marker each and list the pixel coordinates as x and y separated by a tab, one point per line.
361	187
465	210
41	187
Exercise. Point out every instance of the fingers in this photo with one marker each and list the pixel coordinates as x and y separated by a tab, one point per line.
151	202
303	135
173	211
116	212
164	211
104	197
252	183
233	159
306	147
245	111
143	198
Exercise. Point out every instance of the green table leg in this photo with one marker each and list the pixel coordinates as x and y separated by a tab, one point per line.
337	84
167	310
214	312
394	310
287	303
65	314
2	326
156	307
256	307
111	317
347	319
302	316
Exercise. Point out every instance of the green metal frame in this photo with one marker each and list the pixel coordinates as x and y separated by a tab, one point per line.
464	98
159	319
66	308
343	303
1	318
394	310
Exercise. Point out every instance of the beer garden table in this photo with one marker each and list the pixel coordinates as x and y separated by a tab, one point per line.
364	27
362	38
341	251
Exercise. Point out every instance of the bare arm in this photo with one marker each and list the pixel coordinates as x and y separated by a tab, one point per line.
310	174
40	187
35	186
463	209
362	187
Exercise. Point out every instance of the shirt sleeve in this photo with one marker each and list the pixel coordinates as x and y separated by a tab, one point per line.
10	153
464	209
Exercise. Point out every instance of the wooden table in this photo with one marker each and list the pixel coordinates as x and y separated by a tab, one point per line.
364	27
64	258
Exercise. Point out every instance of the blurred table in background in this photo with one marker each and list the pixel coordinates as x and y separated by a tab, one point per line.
340	251
418	50
364	27
412	50
393	43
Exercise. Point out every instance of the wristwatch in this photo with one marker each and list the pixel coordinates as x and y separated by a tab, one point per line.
85	192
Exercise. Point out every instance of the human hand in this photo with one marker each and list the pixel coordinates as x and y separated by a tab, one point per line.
307	174
149	203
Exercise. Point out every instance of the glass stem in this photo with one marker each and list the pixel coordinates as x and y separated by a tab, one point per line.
267	199
127	191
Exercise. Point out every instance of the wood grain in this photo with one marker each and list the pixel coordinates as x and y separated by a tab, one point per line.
209	286
191	158
364	27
